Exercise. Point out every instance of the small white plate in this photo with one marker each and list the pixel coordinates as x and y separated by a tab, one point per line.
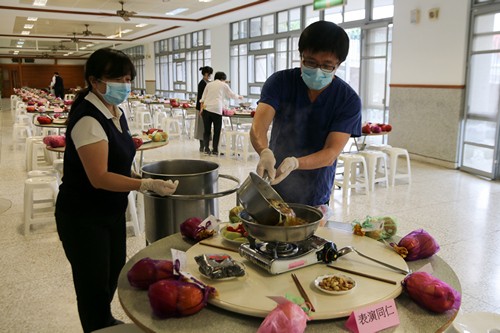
331	292
232	241
481	322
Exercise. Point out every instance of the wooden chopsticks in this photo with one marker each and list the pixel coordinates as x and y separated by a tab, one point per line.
363	275
303	293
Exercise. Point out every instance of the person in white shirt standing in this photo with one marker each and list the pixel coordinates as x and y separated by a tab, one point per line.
212	102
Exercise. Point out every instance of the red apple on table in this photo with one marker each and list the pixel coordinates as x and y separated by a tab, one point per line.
376	129
366	128
137	142
30	108
386	128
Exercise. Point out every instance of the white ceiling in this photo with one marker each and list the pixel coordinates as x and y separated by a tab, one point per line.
60	27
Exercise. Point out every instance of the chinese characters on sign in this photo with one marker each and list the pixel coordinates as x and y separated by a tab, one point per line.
373	318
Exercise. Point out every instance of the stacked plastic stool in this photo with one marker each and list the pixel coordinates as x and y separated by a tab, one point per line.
404	173
376	163
40	195
353	164
172	127
132	216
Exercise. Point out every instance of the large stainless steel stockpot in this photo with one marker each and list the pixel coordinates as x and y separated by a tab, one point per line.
196	195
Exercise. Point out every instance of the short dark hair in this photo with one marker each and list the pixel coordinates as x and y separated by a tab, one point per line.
220	76
105	63
56	73
206	70
324	36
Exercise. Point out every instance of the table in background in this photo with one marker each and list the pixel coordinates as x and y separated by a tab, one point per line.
238	117
213	319
362	145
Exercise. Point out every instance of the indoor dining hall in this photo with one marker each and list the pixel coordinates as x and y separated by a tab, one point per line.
349	185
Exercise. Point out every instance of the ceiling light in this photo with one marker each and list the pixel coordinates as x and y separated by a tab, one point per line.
16	52
19	46
177	11
65	54
29	26
25	32
33	19
83	48
205	0
142	25
90	45
20	42
126	31
113	36
39	2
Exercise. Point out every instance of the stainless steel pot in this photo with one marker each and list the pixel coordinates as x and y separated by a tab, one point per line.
273	233
254	195
196	195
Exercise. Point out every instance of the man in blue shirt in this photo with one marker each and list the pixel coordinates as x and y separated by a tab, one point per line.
313	115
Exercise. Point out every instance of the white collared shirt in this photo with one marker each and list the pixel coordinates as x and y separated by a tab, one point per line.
214	94
87	130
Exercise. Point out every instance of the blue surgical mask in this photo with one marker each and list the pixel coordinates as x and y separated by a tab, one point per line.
315	78
116	92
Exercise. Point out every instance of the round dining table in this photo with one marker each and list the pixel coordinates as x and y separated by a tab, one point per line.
135	303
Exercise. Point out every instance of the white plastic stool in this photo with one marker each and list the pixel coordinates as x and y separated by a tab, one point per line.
394	155
39	209
132	213
172	127
41	158
230	142
352	164
243	144
20	132
144	120
58	165
29	150
45	173
375	161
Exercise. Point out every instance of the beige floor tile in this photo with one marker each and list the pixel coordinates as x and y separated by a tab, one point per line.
460	210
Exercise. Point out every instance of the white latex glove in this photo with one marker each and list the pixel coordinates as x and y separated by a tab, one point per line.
288	165
266	164
159	186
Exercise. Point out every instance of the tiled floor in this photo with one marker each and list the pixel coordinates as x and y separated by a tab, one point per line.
460	210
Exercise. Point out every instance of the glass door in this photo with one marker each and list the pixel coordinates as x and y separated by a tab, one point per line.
480	139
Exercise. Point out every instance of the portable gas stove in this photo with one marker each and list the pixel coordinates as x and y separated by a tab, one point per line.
277	257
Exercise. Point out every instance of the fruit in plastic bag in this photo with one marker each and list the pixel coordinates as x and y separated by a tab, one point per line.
175	298
419	244
147	271
286	317
431	293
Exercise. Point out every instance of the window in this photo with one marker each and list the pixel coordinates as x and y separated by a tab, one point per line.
177	63
136	54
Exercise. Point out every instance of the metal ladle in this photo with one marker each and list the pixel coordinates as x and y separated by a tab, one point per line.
348	249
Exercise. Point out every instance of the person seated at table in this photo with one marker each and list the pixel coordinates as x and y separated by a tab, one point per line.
313	112
93	196
212	102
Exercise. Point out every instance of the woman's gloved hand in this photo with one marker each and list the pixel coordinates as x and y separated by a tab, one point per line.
159	186
266	164
288	165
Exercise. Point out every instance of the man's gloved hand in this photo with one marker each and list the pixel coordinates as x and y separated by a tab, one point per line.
288	165
159	186
266	164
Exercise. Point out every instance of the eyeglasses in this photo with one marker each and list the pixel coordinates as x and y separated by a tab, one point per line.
313	64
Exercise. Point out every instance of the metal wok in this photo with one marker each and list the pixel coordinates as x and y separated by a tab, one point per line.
273	233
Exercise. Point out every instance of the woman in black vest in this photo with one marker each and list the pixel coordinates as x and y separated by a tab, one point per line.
92	200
